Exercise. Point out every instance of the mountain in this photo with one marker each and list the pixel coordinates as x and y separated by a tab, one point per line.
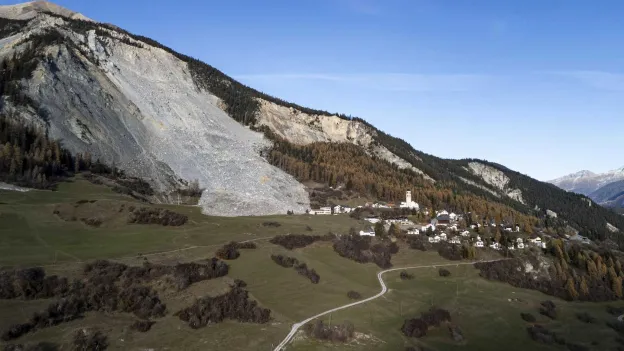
168	118
610	195
586	182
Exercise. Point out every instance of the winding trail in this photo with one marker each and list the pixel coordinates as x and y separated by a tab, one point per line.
384	289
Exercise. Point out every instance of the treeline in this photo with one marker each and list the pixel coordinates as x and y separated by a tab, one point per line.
301	268
576	274
359	249
234	305
297	241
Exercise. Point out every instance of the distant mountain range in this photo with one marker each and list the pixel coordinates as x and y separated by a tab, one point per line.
586	182
606	188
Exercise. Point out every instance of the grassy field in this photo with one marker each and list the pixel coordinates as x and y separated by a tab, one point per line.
30	234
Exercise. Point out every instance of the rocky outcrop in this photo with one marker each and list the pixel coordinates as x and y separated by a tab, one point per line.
137	106
497	179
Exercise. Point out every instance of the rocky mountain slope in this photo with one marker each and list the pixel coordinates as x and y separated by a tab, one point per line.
586	182
164	116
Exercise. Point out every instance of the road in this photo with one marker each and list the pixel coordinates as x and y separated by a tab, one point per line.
384	289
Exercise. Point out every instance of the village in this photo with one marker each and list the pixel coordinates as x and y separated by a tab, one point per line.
442	227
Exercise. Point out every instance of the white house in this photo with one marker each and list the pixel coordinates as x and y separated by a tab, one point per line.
508	229
511	247
495	246
472	226
465	233
413	231
434	239
520	246
519	241
455	240
373	220
453	227
424	228
443	237
479	243
337	209
453	216
369	232
536	241
322	211
408	203
443	212
517	228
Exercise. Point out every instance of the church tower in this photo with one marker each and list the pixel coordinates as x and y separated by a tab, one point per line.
408	197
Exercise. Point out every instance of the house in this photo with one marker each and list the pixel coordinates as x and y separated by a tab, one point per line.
408	203
508	229
322	211
479	243
442	213
337	209
495	246
517	228
434	239
465	233
520	246
472	226
511	247
519	241
455	240
453	227
369	232
443	219
413	231
453	216
443	237
373	220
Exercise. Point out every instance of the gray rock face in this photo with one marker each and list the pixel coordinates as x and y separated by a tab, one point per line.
139	108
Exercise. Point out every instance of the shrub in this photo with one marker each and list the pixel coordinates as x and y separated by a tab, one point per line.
234	304
284	261
443	272
358	249
31	283
354	295
337	333
228	252
450	252
92	221
406	276
586	318
148	215
418	327
527	317
41	346
87	340
309	273
296	241
142	325
616	311
548	309
271	224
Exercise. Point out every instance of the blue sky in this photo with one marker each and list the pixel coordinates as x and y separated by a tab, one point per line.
536	85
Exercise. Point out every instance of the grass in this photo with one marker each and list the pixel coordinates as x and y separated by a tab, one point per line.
31	234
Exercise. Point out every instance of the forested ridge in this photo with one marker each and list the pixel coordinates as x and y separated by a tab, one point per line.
578	210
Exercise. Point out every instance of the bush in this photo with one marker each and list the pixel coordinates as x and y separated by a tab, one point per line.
31	283
548	309
296	241
443	272
615	311
86	340
358	249
450	251
418	327
148	215
92	221
337	333
354	295
309	273
142	325
284	261
228	252
586	318
541	334
406	276
527	317
41	346
234	305
271	224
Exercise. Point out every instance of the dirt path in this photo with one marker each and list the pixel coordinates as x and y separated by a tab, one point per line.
384	289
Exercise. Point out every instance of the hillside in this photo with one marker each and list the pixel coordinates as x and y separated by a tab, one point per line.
163	116
610	195
586	182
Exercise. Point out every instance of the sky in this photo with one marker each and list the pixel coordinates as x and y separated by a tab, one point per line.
536	85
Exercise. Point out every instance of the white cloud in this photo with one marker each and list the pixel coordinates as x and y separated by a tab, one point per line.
387	81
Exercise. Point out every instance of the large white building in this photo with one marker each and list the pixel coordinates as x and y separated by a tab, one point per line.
408	202
322	211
